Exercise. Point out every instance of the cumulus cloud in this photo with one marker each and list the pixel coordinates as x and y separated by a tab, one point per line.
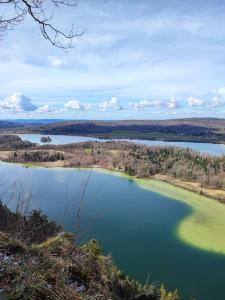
217	101
173	104
192	101
112	104
76	105
44	109
55	61
219	97
17	102
220	92
146	104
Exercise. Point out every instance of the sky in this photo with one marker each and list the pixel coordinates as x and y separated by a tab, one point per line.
142	59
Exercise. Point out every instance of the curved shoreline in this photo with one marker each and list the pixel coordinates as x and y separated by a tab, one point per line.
204	228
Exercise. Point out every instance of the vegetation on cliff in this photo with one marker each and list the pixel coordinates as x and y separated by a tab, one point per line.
50	264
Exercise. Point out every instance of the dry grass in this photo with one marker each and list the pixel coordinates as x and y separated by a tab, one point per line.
58	269
193	187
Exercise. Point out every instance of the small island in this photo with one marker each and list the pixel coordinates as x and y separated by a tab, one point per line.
46	139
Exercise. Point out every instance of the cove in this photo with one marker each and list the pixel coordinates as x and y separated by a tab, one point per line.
140	222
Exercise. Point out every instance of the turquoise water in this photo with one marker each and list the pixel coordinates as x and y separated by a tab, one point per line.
136	226
214	149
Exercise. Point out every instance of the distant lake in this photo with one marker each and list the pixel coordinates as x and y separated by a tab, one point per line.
214	149
136	226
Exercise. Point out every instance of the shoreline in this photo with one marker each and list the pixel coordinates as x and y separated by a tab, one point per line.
203	228
216	194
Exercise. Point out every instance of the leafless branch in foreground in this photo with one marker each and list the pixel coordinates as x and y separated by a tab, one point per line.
14	12
81	202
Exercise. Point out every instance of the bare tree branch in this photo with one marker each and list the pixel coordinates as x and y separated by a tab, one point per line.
15	12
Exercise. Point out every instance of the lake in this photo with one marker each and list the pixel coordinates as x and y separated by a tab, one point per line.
214	149
137	226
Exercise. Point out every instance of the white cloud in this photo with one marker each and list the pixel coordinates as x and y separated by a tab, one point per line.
55	61
192	101
217	101
146	104
76	105
220	92
112	104
44	109
172	104
219	97
17	103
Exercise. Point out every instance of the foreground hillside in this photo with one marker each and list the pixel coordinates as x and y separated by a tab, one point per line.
39	261
196	129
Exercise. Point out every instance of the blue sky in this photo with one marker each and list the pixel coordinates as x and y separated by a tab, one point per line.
143	59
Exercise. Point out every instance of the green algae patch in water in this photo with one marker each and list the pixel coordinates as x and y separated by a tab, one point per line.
204	227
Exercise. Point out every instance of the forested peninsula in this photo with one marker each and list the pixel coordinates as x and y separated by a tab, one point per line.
197	172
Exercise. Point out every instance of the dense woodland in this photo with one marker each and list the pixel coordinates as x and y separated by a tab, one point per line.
39	156
9	142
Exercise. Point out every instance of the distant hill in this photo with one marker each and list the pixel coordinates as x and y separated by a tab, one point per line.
192	130
9	124
35	121
15	123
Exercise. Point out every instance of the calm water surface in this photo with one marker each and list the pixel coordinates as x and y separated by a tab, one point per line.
136	226
215	149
